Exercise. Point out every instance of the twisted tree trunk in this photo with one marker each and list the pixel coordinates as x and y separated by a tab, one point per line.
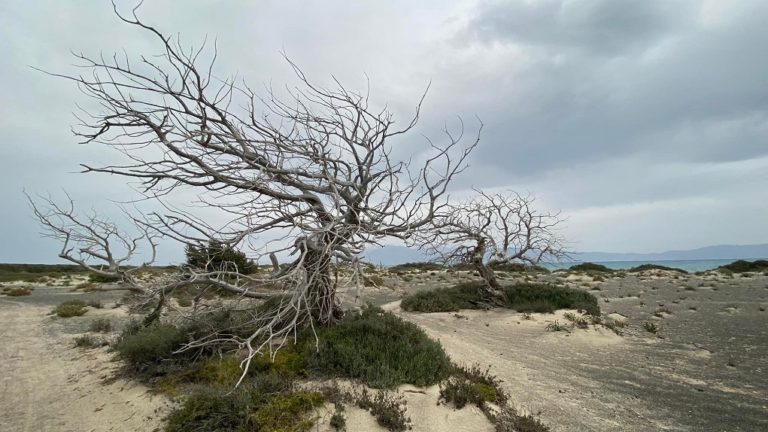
491	291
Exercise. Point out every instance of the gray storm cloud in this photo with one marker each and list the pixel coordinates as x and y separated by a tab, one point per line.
646	123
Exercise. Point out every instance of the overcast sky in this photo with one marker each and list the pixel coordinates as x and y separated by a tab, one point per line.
644	122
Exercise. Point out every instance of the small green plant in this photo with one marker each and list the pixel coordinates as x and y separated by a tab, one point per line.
70	308
651	327
88	341
101	278
145	348
18	292
338	421
380	349
522	297
388	409
555	326
100	325
472	386
526	316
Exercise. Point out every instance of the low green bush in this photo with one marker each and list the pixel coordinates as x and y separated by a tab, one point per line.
101	325
417	266
474	386
100	278
380	349
742	266
590	267
250	407
146	348
70	308
88	341
644	267
388	409
17	292
523	297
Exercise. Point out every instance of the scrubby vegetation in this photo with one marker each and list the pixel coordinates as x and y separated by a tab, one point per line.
100	325
742	266
149	350
70	308
35	272
215	256
100	278
645	267
590	267
523	297
262	404
379	349
17	292
416	266
88	341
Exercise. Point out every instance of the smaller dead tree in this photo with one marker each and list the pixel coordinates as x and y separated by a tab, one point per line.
491	230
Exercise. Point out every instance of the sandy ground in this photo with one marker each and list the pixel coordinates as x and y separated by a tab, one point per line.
47	385
706	371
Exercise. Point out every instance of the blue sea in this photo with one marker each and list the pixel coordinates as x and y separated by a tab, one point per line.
687	265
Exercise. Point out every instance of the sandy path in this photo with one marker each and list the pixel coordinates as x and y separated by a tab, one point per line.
593	380
46	385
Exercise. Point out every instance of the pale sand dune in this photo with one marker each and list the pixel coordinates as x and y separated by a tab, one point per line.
47	385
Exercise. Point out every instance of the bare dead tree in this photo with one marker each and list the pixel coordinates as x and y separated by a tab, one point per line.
491	230
310	173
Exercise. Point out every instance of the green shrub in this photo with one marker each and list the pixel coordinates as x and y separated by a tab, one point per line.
88	341
590	267
645	267
742	266
146	348
417	266
217	256
520	268
523	297
247	408
380	349
70	308
651	327
472	385
555	326
388	409
101	325
18	292
100	278
338	421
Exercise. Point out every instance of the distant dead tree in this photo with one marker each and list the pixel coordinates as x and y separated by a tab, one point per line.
490	230
309	174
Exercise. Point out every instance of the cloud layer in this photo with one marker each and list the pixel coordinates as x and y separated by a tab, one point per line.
645	123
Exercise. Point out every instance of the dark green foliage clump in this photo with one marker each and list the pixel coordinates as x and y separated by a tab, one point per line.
644	267
265	405
416	266
522	297
88	341
380	349
217	256
35	272
590	267
147	349
101	278
70	308
520	268
100	325
17	292
742	266
388	409
462	296
474	386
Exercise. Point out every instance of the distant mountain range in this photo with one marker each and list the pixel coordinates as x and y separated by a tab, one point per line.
706	253
392	255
